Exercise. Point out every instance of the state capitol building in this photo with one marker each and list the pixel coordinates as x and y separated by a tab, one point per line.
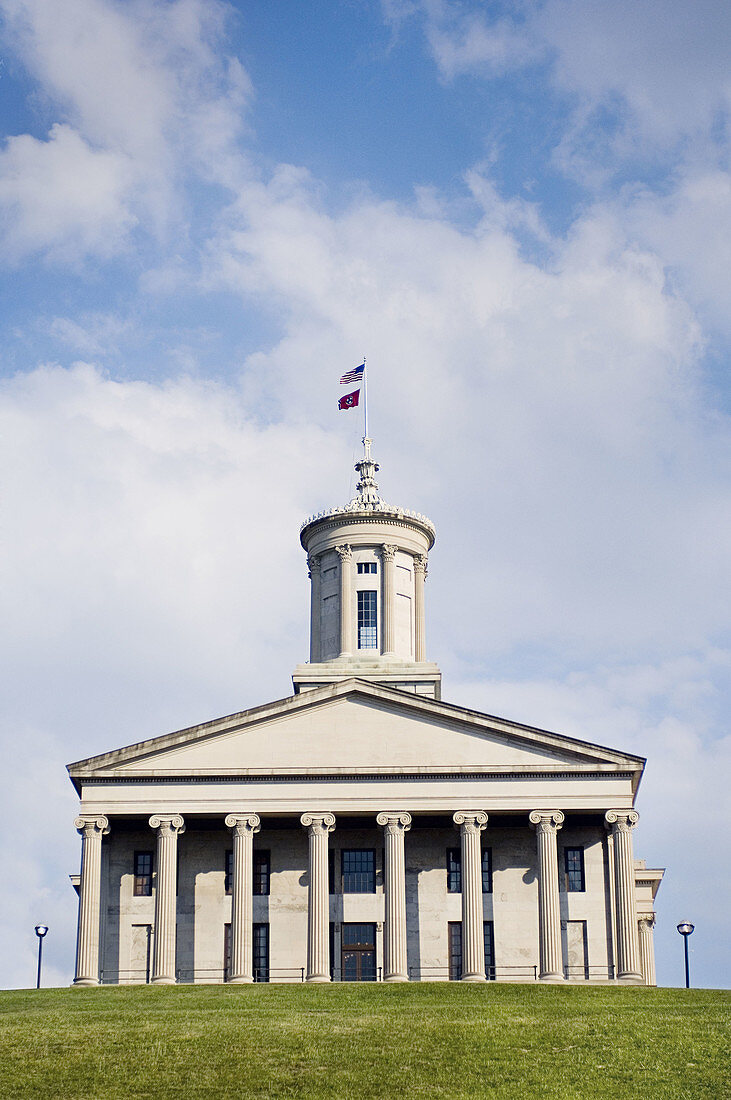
362	829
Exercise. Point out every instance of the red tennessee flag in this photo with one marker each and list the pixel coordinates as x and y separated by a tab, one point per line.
350	400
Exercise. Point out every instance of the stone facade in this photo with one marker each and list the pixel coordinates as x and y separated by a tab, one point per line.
362	828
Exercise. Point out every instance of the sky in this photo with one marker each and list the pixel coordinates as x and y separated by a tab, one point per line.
520	212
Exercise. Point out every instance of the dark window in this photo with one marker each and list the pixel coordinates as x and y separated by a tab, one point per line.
455	950
143	875
226	952
261	872
487	870
358	867
358	953
228	879
574	863
454	871
489	950
367	620
367	567
332	885
261	952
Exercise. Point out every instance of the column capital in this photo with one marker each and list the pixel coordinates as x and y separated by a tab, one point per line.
345	553
546	821
314	561
243	824
91	824
388	551
621	821
646	921
470	821
420	564
394	822
171	824
318	824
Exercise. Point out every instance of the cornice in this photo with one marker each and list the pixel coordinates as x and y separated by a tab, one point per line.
253	775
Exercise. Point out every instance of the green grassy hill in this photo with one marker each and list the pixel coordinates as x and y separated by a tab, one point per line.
365	1041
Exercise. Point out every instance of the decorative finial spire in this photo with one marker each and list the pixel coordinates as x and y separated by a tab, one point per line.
367	487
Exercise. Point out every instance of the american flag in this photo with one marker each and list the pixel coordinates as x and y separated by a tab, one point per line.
355	375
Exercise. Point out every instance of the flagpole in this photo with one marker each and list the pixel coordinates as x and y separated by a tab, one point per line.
365	400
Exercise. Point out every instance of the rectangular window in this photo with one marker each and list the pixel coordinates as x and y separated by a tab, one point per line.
489	950
454	929
454	871
487	870
574	866
143	875
261	872
358	870
367	620
228	878
367	567
261	952
332	885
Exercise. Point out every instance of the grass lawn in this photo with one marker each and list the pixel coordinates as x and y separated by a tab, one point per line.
365	1041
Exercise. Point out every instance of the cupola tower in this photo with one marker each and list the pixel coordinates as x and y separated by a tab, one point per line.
368	564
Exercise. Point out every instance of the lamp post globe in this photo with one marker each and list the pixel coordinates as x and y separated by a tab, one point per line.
41	931
686	929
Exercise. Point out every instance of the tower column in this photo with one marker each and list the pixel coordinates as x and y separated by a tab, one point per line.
471	823
420	575
647	949
388	555
313	563
242	903
167	826
547	823
346	600
92	828
319	827
621	823
395	826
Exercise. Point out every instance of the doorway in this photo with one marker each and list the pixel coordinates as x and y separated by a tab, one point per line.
358	953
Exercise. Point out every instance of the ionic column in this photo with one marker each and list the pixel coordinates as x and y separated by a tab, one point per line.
621	823
395	826
92	829
388	554
547	823
168	826
646	926
420	575
242	903
314	562
346	599
471	823
318	826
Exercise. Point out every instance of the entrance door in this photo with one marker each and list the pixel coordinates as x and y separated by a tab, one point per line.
358	953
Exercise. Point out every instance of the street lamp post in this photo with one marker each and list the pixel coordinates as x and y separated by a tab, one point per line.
41	930
686	929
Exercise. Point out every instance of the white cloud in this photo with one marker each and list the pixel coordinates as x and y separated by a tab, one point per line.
145	100
62	197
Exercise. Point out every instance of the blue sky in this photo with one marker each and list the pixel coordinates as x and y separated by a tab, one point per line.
521	213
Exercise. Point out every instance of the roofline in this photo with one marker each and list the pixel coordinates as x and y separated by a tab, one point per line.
332	691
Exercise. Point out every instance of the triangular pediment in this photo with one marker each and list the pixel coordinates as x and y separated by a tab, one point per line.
355	728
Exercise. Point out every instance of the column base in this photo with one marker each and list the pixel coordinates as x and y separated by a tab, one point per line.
631	978
554	977
318	979
396	978
84	983
473	978
164	979
240	979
